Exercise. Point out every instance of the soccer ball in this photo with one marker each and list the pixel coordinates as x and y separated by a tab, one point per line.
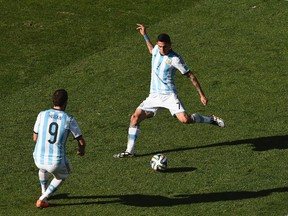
159	162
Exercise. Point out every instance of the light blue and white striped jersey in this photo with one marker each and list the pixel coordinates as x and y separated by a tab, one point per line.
163	71
53	127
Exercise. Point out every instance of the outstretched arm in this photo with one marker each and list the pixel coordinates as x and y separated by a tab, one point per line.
195	82
142	31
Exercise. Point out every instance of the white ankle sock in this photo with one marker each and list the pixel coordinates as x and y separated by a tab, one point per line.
133	133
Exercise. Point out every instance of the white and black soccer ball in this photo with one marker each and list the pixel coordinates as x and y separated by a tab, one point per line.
159	162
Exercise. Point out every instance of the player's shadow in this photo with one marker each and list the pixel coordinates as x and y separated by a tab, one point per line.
180	169
140	200
258	144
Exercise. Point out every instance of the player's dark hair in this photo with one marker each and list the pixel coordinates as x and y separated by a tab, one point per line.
60	97
164	38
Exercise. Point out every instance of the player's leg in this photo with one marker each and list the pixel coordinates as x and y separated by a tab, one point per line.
176	108
196	118
214	120
53	186
43	178
134	130
147	109
138	116
60	173
184	118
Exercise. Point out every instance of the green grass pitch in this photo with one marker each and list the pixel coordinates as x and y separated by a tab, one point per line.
238	51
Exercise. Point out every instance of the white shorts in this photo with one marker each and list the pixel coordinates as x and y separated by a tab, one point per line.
59	171
155	101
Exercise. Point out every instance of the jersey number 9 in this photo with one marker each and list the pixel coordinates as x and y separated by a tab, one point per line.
53	131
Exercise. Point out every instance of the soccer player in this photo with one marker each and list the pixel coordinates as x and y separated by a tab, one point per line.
163	92
51	131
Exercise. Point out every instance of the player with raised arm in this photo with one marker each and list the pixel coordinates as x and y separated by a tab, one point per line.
51	131
163	94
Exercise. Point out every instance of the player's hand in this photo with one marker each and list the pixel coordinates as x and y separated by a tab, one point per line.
80	152
204	100
141	29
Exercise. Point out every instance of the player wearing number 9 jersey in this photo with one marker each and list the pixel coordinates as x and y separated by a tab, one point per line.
51	131
53	127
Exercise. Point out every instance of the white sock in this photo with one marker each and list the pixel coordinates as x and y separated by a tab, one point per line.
54	185
43	178
133	133
201	119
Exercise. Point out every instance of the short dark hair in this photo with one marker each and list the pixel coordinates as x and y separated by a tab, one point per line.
60	97
164	38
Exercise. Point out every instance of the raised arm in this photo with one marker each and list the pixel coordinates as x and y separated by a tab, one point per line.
195	82
142	31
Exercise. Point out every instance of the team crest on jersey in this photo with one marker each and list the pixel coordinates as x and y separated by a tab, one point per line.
168	61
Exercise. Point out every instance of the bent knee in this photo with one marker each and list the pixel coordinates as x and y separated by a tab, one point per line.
185	119
140	115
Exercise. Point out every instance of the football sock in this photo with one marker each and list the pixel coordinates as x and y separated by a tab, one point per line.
43	178
54	185
201	119
133	133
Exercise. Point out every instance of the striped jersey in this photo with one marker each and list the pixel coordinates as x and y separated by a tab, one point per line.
53	127
163	71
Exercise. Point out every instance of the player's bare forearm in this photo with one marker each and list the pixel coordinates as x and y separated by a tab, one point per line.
81	146
197	85
149	46
142	31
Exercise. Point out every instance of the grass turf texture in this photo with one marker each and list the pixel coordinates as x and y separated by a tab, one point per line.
238	51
